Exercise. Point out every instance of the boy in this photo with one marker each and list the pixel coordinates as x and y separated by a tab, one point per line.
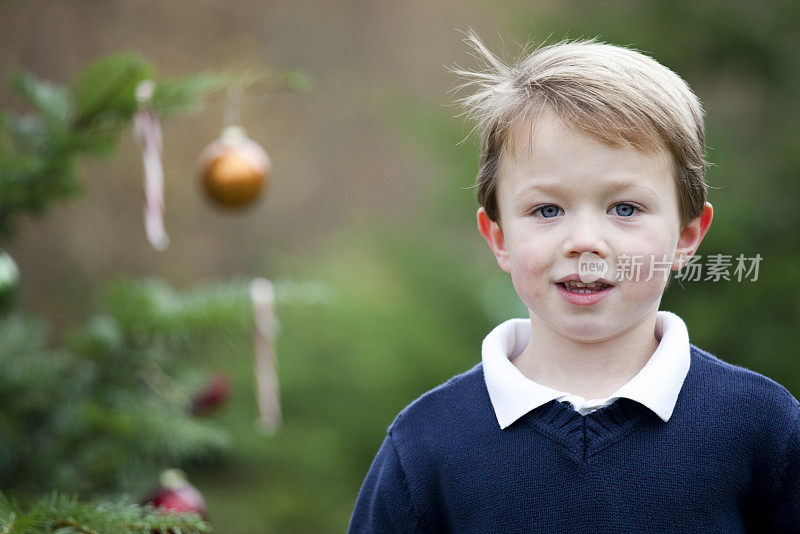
595	414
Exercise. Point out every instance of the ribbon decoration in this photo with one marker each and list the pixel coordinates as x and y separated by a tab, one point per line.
262	293
147	130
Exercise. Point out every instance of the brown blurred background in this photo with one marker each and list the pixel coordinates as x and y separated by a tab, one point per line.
334	156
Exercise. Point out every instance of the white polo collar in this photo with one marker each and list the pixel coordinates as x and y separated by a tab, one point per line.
656	386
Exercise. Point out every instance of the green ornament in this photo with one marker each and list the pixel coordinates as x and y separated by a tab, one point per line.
9	281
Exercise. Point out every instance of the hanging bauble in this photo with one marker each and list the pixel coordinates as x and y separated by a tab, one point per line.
177	495
234	168
9	281
213	395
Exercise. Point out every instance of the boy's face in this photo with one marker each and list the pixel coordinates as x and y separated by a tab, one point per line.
558	201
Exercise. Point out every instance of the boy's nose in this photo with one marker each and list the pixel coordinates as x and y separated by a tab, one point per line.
585	235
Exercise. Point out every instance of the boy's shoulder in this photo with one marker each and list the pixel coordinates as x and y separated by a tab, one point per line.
738	387
446	404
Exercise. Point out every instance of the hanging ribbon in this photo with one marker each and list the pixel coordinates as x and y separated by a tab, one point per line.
147	130
262	293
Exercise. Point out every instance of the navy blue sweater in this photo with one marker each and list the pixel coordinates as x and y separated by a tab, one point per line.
727	461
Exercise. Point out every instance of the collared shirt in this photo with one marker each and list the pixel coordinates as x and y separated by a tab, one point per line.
656	385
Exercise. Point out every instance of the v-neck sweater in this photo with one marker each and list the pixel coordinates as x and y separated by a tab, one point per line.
728	460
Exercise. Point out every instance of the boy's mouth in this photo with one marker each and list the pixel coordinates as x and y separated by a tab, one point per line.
574	286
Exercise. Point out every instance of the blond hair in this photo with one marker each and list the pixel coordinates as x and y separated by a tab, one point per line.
614	94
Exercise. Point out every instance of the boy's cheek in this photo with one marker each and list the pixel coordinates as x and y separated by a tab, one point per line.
529	266
529	285
646	257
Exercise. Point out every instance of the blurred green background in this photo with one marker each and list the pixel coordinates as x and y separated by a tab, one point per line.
371	199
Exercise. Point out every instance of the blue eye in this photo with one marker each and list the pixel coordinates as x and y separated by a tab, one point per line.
548	212
623	209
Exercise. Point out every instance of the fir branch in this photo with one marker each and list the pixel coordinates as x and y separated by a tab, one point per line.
84	120
52	101
59	511
108	85
83	417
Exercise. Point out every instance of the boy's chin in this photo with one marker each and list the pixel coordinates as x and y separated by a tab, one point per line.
585	329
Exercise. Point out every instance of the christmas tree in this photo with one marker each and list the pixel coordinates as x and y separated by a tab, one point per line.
85	425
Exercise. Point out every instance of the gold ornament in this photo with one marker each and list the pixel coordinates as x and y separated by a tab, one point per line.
234	168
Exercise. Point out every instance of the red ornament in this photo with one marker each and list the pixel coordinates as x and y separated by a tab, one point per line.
213	395
177	495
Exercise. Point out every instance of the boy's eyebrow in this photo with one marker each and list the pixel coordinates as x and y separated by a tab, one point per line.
611	186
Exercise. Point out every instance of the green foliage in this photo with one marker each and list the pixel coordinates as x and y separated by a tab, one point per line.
184	94
53	102
39	150
110	409
104	92
63	514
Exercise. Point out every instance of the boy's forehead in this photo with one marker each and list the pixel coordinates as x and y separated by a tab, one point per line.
522	133
549	150
545	129
545	125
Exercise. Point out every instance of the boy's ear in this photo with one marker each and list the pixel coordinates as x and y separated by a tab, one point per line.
493	234
691	236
